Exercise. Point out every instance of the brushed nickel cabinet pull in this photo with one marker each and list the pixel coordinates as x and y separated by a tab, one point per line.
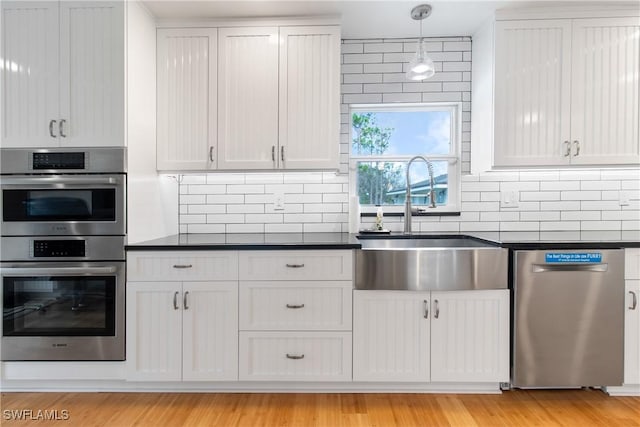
295	305
295	265
182	265
576	144
567	148
175	300
426	309
211	154
273	153
52	123
295	356
282	153
437	310
184	301
61	128
634	301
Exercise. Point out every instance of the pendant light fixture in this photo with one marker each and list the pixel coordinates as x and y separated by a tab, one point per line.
421	66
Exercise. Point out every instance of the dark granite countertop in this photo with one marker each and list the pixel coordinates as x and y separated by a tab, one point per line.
252	241
347	241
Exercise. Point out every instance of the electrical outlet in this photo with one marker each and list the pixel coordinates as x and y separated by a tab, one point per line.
509	199
278	201
624	197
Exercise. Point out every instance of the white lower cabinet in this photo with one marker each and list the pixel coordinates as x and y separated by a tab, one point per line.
632	333
295	356
632	317
460	336
182	331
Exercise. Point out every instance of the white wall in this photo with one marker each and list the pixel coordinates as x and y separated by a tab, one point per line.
152	200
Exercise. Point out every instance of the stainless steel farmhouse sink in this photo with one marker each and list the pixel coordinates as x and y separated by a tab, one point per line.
430	264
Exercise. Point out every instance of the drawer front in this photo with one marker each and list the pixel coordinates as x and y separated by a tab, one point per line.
295	305
296	265
182	266
632	263
295	356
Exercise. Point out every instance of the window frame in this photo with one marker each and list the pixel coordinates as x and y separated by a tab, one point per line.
454	157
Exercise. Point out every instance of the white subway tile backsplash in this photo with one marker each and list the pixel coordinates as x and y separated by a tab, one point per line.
566	204
580	216
539	196
244	228
600	225
581	195
225	218
600	235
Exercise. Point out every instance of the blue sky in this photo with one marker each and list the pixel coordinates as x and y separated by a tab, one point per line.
418	132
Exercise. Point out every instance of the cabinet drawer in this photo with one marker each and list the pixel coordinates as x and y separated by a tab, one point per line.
296	265
632	263
295	305
182	266
295	356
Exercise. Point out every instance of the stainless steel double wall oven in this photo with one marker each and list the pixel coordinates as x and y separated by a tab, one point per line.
63	226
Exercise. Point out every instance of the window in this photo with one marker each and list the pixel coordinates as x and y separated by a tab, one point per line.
383	140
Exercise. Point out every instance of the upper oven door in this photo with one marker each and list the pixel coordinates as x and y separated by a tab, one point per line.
43	205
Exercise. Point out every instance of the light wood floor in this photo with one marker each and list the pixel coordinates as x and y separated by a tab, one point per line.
514	408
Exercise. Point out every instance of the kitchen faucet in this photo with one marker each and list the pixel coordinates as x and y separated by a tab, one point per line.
407	203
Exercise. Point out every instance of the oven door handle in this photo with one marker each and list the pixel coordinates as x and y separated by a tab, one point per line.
45	180
56	271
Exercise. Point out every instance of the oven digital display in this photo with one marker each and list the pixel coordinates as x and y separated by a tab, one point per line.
58	161
58	248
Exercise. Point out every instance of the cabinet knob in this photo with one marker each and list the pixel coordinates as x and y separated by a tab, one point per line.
61	128
184	301
295	265
295	306
175	300
295	356
52	123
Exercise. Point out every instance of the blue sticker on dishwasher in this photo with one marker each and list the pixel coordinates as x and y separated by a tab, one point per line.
572	257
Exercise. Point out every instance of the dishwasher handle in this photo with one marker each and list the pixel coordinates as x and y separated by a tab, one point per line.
545	268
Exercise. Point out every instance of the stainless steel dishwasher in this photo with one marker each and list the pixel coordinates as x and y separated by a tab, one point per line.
568	318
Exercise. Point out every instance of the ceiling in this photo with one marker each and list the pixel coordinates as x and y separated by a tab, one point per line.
360	19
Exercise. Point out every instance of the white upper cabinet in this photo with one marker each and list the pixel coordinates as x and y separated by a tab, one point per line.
532	90
567	92
309	97
29	73
271	101
605	91
248	98
63	74
186	88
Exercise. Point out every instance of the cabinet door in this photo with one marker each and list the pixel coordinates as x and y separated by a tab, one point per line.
470	336
92	74
210	331
391	336
29	89
309	97
632	333
605	91
532	92
154	331
187	94
248	98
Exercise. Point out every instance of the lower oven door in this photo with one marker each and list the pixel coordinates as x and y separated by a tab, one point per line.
63	311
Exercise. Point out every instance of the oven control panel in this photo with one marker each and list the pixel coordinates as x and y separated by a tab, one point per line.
58	160
58	248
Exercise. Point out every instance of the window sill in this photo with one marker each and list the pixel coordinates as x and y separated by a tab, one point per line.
393	214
